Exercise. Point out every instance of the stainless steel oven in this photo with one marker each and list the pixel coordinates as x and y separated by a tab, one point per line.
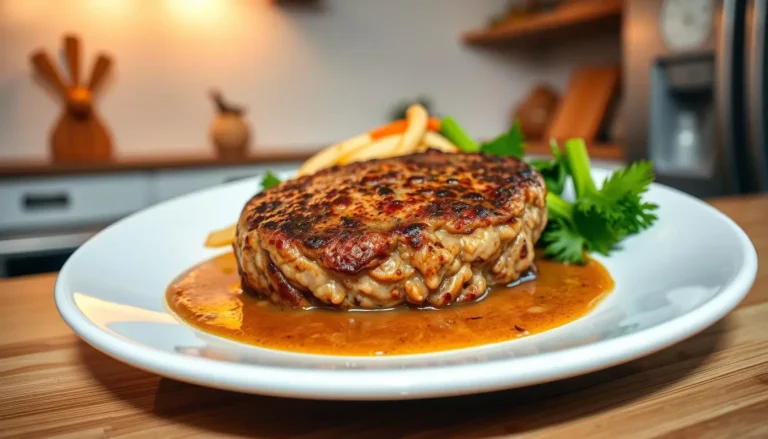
39	251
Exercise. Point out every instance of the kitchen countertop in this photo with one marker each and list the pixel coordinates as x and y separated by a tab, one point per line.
36	168
714	384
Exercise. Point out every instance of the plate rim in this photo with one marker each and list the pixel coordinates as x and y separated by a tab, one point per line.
418	382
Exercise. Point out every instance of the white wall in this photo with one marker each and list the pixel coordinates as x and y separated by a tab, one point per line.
309	76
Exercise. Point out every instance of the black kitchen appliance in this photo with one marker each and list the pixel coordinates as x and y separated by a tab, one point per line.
694	92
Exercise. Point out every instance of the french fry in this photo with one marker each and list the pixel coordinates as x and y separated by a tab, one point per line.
382	148
436	141
331	155
222	237
417	116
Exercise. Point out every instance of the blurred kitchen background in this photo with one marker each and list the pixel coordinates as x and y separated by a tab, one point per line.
109	106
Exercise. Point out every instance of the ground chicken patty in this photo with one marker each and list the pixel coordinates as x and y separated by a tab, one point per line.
427	229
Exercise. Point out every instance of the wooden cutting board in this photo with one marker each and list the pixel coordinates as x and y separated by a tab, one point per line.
585	103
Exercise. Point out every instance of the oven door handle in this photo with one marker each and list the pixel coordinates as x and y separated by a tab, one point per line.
35	245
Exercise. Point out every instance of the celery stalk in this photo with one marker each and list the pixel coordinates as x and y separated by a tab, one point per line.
579	167
456	134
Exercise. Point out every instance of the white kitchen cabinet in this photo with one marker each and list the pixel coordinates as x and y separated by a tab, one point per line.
33	203
171	183
66	201
46	213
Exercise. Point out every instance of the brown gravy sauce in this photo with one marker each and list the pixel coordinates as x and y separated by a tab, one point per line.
209	298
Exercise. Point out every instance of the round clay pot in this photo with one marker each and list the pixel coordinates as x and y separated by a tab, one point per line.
230	134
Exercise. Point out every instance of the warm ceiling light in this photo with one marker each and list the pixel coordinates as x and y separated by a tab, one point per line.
198	10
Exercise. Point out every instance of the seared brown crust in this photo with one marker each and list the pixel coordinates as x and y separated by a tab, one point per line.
351	218
427	229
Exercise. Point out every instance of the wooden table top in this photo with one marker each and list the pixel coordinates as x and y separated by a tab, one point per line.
714	384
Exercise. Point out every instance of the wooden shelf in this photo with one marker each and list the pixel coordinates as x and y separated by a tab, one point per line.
602	151
562	22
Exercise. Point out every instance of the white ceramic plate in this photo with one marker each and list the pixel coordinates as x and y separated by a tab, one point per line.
672	281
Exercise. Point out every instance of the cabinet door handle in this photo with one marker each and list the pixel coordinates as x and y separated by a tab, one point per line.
42	202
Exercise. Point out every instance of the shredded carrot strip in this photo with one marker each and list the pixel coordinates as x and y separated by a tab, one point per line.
399	127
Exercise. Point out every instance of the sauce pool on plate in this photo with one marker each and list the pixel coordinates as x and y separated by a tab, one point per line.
209	298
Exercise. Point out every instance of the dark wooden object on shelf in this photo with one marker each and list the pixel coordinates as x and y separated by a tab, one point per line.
585	103
535	112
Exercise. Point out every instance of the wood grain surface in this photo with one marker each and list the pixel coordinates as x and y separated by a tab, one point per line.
585	102
712	385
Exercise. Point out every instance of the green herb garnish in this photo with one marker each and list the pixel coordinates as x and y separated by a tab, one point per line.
509	144
554	170
599	219
269	180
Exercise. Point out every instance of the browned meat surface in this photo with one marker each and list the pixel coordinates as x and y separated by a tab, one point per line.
427	229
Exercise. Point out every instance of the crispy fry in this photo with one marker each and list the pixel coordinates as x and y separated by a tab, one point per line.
332	154
436	141
384	147
417	125
222	237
